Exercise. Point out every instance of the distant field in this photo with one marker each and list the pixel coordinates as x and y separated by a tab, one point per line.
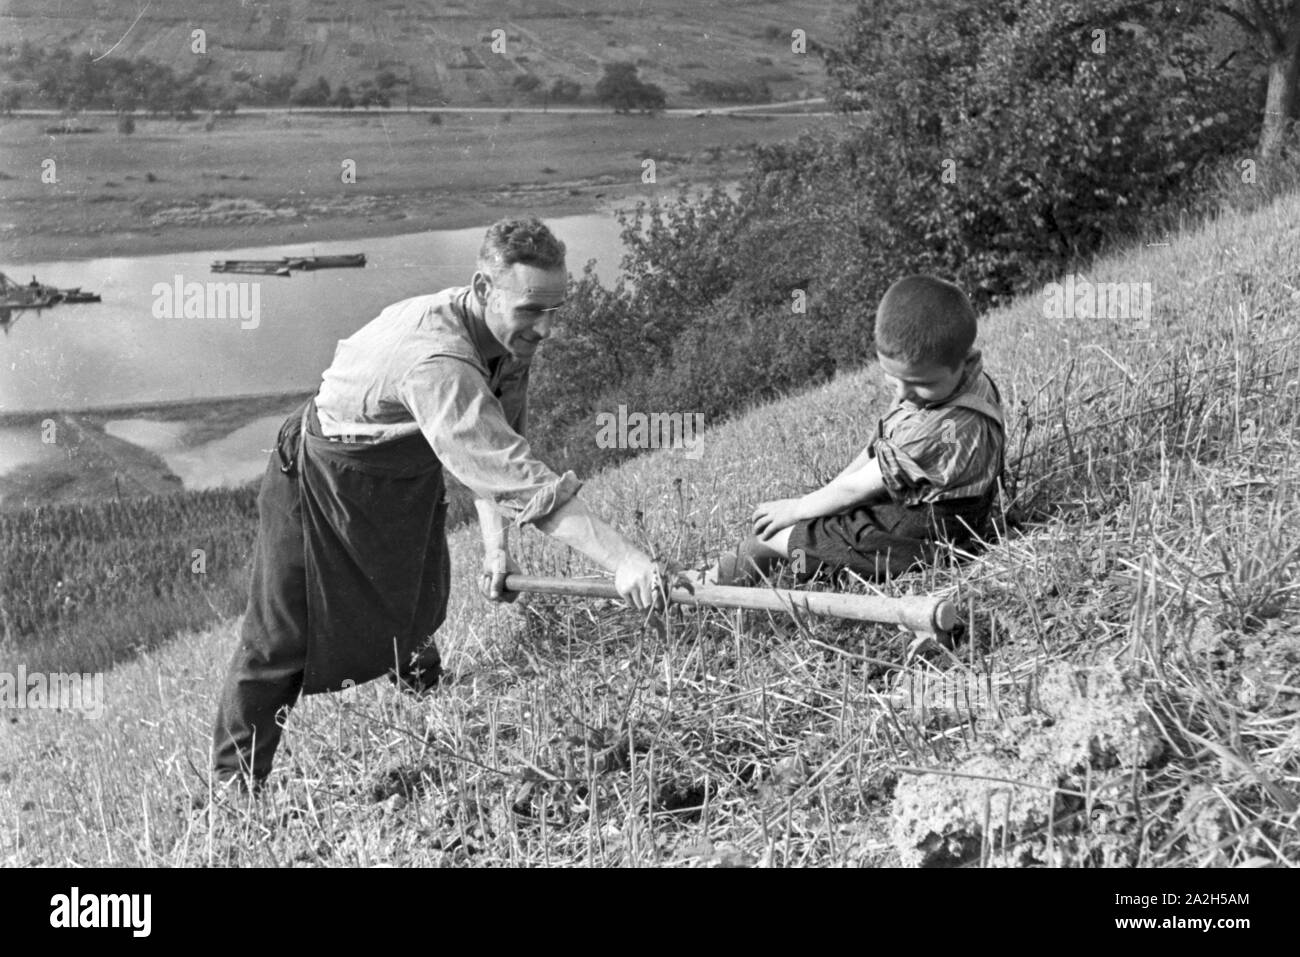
279	177
443	53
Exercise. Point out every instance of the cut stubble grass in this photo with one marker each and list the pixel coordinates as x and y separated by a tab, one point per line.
1150	463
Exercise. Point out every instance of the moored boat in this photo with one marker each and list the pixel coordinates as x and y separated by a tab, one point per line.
286	265
15	297
76	295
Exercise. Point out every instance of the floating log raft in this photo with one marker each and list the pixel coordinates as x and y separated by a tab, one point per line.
259	267
343	261
287	265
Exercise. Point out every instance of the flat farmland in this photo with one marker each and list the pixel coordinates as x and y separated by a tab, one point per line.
444	54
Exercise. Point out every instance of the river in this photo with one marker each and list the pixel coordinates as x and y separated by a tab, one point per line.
119	352
125	350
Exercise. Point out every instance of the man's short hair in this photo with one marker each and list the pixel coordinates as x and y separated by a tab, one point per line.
528	241
923	320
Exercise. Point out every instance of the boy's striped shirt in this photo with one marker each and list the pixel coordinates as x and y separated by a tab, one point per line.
950	450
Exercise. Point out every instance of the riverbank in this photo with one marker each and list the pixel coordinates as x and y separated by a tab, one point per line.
280	178
82	462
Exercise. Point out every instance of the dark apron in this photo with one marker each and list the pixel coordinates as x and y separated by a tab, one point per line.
375	552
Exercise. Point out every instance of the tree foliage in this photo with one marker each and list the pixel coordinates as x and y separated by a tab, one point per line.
342	98
992	142
313	94
622	89
1056	123
564	90
68	81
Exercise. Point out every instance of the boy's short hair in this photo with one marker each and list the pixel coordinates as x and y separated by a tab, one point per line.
923	320
528	241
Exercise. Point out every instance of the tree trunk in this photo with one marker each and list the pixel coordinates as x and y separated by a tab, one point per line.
1280	103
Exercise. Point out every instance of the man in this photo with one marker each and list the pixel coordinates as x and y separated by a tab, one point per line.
351	569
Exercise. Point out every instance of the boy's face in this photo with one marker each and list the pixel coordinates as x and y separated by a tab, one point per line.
920	383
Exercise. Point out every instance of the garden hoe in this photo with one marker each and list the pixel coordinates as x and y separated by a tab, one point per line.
922	614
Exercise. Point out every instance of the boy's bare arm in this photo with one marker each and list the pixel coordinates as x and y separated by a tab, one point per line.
844	492
863	458
863	484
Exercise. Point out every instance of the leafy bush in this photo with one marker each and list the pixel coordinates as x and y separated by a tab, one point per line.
370	95
78	81
565	90
1056	124
342	98
992	144
316	94
732	91
625	91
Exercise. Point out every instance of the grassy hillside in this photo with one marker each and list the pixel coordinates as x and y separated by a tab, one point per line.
443	52
1125	679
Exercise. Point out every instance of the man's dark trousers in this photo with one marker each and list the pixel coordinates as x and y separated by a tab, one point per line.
266	671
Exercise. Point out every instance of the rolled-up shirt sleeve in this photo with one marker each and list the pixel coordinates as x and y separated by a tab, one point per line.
467	427
900	472
915	459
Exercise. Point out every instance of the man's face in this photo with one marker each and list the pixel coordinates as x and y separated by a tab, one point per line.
919	383
519	307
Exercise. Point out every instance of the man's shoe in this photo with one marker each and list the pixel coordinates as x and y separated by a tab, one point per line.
419	682
229	791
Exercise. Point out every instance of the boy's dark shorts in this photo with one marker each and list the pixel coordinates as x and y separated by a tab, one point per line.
885	539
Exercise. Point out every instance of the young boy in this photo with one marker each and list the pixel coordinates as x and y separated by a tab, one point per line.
930	474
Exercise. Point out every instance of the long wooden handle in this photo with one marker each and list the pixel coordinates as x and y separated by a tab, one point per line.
920	613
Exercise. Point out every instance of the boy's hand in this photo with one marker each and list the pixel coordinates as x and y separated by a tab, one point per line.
770	517
496	566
